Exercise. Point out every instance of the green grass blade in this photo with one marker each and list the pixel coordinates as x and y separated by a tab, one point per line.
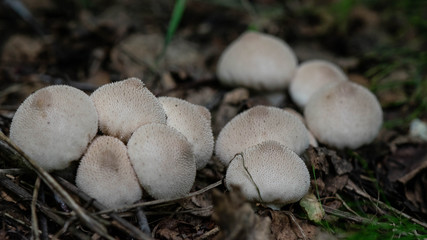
178	11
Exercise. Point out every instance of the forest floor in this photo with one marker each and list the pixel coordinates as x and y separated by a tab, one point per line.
377	191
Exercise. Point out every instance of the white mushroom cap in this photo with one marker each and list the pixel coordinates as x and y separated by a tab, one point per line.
311	76
257	60
257	125
194	122
54	125
106	174
163	160
312	140
279	174
344	114
124	106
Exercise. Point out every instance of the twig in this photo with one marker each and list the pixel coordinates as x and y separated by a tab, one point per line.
209	234
346	206
12	171
16	153
23	194
346	215
161	201
291	216
64	228
142	220
119	222
34	221
42	218
353	187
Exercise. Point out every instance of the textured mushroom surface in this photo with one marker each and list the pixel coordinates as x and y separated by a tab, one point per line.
124	106
343	115
279	174
258	61
106	174
257	125
54	125
194	122
311	76
163	160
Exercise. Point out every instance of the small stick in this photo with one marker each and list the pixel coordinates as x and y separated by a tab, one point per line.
16	153
43	220
291	216
34	221
352	186
142	220
209	234
119	222
23	194
11	171
161	201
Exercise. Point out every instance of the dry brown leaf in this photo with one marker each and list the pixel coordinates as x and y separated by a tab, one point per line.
236	218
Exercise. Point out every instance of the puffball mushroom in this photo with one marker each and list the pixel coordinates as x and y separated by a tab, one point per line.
106	174
259	124
54	125
124	106
194	122
344	115
163	160
258	61
274	170
311	76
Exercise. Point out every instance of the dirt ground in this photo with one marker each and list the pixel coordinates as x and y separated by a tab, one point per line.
377	191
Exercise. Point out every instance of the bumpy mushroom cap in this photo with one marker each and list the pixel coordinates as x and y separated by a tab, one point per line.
194	122
54	125
310	77
106	174
279	174
124	106
257	125
259	61
163	160
344	115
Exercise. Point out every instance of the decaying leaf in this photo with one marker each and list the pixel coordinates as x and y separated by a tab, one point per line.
236	218
312	207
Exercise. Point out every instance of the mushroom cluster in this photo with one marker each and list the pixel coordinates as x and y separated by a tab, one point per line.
337	112
145	141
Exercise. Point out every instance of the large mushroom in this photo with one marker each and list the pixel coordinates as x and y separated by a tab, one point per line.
54	125
124	106
163	160
344	114
106	174
194	122
258	61
259	124
269	173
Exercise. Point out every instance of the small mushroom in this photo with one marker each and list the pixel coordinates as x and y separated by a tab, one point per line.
106	174
258	61
310	77
124	106
259	124
194	122
344	114
269	173
163	160
54	125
